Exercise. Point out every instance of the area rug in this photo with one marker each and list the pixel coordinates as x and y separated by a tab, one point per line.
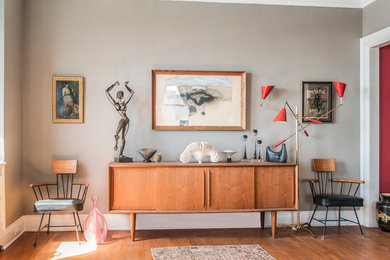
230	252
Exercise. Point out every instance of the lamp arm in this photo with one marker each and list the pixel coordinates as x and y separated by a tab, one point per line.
296	118
275	109
309	124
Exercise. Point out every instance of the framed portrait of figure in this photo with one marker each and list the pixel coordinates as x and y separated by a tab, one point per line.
198	100
316	101
68	100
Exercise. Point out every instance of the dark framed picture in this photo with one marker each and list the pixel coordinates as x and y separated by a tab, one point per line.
316	101
68	96
198	100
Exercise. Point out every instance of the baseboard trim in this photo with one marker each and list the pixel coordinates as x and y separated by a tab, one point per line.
12	232
170	221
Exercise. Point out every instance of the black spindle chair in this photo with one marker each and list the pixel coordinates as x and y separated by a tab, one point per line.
329	192
64	195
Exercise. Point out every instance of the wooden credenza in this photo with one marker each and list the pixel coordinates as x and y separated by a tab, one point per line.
175	187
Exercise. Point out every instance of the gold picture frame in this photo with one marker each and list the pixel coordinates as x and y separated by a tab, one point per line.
198	100
68	100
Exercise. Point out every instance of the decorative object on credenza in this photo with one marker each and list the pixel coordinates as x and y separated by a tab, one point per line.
316	101
199	150
254	159
244	158
254	133
95	230
198	100
68	100
259	142
229	154
383	212
278	157
120	105
157	157
147	153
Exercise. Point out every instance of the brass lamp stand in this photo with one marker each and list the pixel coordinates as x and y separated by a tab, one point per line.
299	225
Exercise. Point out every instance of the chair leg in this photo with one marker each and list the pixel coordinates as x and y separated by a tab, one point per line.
76	226
48	223
312	216
78	217
339	215
326	218
361	230
39	229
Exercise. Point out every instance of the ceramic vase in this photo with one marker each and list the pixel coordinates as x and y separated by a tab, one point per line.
95	225
383	212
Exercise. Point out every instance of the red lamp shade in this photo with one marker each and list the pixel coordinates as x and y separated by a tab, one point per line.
265	90
340	87
281	116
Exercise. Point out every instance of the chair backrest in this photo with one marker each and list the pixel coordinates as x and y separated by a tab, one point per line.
64	170
324	165
324	169
64	166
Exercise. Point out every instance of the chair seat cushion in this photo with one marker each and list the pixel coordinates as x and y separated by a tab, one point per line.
338	200
53	205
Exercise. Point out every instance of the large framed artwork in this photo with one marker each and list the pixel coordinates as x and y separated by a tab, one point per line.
68	97
316	100
198	100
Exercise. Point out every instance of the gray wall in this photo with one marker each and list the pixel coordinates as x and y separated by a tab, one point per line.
105	41
13	108
376	16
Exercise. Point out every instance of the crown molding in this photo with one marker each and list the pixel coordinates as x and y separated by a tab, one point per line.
364	3
317	3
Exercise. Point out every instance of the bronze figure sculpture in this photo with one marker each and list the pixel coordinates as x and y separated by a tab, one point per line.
120	106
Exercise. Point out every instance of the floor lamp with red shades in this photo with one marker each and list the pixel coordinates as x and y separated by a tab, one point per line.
282	117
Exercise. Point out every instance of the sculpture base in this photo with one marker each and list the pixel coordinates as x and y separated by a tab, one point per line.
123	159
255	160
244	160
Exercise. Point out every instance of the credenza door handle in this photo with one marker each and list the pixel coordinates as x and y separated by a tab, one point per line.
209	190
204	189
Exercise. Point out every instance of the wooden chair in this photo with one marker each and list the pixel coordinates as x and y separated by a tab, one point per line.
64	195
328	192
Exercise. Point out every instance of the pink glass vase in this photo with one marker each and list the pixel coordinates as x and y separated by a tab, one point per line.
95	229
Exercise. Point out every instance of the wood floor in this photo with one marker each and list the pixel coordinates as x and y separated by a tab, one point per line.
343	243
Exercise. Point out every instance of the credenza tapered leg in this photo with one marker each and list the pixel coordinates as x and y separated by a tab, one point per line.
262	214
132	226
273	224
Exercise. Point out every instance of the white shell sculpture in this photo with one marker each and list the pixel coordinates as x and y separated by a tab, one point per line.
199	150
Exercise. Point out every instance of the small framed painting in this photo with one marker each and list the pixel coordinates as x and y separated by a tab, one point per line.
68	96
316	101
198	100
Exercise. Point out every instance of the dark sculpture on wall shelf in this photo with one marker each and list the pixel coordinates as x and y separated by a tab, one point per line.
278	157
120	105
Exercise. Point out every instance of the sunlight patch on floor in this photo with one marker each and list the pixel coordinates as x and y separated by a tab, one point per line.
68	249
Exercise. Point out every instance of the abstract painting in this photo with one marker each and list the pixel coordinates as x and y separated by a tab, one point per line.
68	105
316	101
198	100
